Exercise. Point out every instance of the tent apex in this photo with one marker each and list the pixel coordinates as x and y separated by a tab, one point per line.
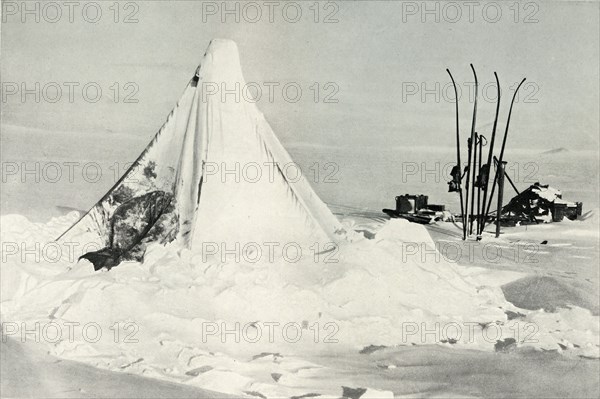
219	44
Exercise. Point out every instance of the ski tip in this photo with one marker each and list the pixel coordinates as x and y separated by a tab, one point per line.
474	73
520	84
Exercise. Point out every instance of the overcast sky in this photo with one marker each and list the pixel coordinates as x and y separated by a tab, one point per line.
378	57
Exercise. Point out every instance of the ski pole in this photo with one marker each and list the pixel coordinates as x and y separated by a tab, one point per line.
508	178
474	183
479	182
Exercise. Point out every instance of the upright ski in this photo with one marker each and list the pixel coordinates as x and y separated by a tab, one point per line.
471	144
485	172
457	170
501	157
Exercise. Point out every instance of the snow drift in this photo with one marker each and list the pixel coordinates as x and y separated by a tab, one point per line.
232	326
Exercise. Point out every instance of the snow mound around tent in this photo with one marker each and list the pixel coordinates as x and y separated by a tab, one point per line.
233	321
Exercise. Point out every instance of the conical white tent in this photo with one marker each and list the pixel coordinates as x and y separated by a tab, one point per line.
215	172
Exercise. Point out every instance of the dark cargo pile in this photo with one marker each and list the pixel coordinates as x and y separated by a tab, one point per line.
540	203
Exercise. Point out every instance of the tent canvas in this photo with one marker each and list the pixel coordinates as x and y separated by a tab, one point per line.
214	173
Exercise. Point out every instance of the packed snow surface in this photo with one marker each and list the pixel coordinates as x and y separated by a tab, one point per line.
239	325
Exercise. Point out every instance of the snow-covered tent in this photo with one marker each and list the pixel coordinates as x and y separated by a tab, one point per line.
215	172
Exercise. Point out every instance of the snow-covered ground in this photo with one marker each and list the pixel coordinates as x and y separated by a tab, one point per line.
367	316
28	371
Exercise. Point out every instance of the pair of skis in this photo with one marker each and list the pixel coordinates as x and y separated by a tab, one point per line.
480	181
